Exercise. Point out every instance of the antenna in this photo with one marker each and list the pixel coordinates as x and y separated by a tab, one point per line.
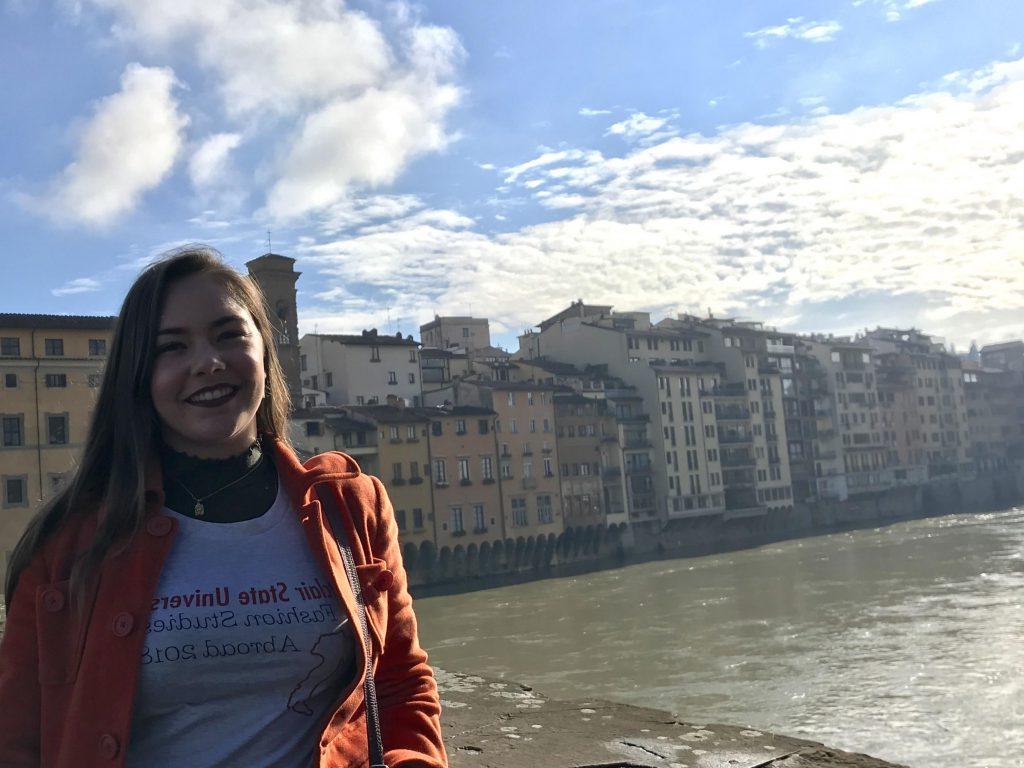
269	249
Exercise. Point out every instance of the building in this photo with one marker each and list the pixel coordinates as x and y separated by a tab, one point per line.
464	476
858	442
361	369
527	454
995	416
276	277
584	426
923	386
468	333
51	366
684	373
1008	356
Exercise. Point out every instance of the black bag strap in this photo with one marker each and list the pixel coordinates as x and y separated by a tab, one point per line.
373	737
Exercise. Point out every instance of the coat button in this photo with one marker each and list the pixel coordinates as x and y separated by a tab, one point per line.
159	525
53	600
109	746
123	624
384	581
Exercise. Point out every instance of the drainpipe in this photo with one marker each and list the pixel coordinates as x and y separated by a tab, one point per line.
39	431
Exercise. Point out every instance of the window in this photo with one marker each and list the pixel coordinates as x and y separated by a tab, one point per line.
396	471
302	363
10	380
465	333
527	468
97	347
314	429
460	426
520	518
360	400
440	476
506	469
412	378
393	433
512	398
57	429
512	427
400	519
487	468
547	467
10	346
481	426
457	526
436	428
53	347
533	425
392	377
374	354
544	508
315	381
14	432
328	379
417	518
479	524
16	491
463	469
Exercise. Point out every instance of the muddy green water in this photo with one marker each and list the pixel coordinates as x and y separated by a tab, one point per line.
905	642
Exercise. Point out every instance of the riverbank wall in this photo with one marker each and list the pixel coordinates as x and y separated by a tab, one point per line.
499	724
592	548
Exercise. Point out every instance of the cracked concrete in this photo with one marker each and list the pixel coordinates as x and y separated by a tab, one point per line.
497	724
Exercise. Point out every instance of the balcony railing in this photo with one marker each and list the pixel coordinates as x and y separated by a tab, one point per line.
732	413
731	438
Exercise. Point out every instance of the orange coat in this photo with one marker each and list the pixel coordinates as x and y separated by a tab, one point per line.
67	686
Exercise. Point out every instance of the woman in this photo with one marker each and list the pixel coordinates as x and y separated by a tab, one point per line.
185	601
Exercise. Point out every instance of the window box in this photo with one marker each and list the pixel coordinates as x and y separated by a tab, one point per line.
459	533
480	530
441	484
488	481
398	481
465	481
415	481
395	440
412	439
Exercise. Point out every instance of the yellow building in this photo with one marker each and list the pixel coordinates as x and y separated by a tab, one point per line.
50	367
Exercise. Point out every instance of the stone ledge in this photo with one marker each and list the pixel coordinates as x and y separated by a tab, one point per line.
492	724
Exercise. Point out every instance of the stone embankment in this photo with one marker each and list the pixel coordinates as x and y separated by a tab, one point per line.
491	724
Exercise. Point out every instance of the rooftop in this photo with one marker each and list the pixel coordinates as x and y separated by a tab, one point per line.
63	322
370	338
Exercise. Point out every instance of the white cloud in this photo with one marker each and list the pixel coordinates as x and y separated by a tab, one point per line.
637	126
588	112
917	203
208	164
360	97
894	9
126	148
78	285
797	29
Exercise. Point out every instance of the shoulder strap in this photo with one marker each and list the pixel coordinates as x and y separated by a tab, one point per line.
373	737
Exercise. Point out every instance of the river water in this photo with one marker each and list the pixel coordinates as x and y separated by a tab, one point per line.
905	642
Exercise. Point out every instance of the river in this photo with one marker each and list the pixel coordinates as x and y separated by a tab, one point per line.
905	642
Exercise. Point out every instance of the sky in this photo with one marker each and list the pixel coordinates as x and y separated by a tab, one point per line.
818	166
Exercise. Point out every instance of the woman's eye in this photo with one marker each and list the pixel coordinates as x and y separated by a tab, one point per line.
232	335
172	346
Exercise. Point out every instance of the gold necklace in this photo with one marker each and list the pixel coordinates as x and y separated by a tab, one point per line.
199	510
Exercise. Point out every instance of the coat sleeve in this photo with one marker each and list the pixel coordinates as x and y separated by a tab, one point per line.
406	691
20	695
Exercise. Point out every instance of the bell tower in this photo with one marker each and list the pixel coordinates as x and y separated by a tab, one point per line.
276	277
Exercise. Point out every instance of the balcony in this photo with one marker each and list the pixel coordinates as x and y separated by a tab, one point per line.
611	473
465	481
415	481
738	461
736	389
529	483
527	450
637	418
780	349
732	413
734	438
639	470
636	445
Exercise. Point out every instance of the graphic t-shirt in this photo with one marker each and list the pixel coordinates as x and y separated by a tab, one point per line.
246	651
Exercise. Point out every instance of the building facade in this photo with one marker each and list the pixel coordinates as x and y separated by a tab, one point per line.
361	369
468	333
51	368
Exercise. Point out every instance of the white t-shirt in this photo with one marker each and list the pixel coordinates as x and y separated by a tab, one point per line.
247	648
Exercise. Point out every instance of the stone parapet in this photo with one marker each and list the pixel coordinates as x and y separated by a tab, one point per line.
497	724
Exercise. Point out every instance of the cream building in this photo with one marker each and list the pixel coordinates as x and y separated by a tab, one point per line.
51	368
468	333
361	369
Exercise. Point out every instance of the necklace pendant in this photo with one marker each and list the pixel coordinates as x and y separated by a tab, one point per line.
199	509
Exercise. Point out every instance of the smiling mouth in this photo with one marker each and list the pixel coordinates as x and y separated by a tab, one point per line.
211	397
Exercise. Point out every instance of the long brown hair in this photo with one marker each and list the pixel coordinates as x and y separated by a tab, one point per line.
125	430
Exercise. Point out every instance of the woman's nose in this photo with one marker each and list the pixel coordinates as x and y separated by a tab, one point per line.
207	360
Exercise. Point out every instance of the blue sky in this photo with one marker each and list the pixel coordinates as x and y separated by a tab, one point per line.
818	166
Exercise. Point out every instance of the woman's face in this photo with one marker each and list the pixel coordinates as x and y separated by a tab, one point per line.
208	376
